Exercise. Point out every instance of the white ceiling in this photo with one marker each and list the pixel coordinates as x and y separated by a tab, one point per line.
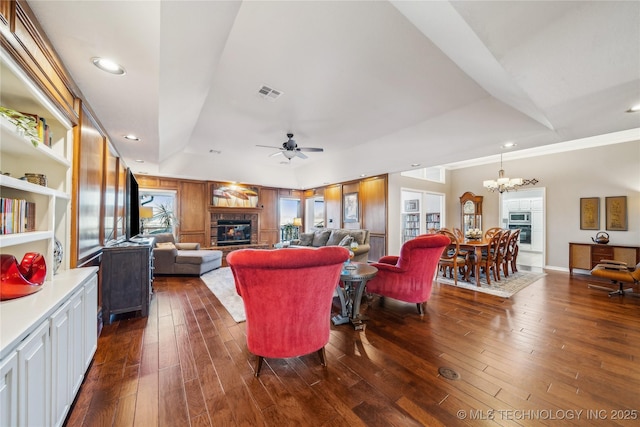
379	85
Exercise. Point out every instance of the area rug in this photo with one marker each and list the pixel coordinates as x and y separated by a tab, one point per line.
505	288
221	283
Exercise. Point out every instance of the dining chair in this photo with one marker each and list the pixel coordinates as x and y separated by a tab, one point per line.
501	253
459	234
452	259
490	232
512	253
488	260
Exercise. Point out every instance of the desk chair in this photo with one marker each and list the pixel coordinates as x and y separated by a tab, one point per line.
619	274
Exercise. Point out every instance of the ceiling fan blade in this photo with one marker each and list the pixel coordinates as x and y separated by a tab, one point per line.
277	153
311	149
301	155
268	146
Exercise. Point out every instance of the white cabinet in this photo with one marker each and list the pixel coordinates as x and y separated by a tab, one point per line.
61	362
53	336
9	390
19	156
34	378
90	323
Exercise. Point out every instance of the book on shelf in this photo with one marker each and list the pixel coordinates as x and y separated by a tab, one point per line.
17	216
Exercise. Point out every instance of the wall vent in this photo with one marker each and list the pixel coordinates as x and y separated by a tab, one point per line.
268	93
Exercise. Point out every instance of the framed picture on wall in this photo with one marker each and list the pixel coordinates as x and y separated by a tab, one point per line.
616	213
234	196
350	207
590	213
412	205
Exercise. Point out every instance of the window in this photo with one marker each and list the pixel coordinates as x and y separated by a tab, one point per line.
435	174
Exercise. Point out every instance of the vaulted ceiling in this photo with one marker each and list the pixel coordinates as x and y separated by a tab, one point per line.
380	85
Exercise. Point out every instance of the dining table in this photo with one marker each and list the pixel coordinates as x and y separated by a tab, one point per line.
477	246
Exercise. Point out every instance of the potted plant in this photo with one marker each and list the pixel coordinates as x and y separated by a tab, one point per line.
164	215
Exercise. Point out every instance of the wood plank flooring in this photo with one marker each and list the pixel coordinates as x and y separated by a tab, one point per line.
555	354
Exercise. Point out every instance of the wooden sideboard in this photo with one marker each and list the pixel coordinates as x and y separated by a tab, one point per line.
585	256
127	276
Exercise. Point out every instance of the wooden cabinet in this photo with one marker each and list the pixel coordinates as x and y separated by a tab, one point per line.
585	256
126	278
470	211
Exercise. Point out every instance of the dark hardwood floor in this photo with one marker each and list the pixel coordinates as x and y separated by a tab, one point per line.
555	354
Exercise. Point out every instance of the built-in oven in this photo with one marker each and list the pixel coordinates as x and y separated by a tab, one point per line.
520	218
525	232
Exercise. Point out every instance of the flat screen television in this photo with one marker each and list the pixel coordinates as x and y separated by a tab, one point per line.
132	206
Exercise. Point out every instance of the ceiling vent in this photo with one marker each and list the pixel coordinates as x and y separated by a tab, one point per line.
268	93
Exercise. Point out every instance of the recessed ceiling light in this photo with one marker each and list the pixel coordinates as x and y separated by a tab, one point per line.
634	109
131	138
139	161
413	165
362	175
509	145
109	66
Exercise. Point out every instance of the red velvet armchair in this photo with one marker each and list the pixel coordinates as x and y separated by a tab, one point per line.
409	277
287	295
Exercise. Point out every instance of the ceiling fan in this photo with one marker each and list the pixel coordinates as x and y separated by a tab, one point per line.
290	149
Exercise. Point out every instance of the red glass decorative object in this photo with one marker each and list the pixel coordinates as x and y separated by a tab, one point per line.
22	279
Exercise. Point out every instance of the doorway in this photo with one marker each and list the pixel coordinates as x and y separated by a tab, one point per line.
525	209
421	211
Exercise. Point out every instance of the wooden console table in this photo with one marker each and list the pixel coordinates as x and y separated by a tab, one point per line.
586	255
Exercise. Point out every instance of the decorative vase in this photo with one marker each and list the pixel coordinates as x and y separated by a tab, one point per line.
25	278
57	255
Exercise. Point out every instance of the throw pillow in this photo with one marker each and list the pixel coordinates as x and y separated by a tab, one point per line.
320	238
306	239
346	241
336	236
165	245
358	236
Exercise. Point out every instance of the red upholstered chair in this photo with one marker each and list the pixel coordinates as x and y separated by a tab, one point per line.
287	295
409	277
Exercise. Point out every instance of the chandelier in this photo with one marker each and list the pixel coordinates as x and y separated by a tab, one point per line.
503	183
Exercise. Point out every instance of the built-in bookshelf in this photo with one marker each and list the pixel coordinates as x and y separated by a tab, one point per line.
410	226
21	159
433	220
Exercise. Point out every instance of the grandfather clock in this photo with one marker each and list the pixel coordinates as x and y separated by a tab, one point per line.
471	211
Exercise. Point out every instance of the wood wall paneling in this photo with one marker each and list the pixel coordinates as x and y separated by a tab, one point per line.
373	202
110	193
269	230
7	14
31	48
193	214
333	206
122	187
378	249
89	172
147	181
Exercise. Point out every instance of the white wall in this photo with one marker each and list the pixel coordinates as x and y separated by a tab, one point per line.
612	170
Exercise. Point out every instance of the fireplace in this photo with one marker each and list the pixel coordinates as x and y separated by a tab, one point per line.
234	232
